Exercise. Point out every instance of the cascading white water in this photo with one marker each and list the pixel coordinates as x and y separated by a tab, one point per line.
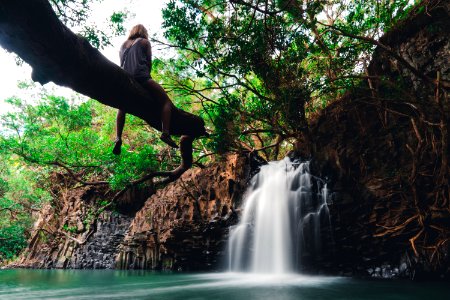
283	209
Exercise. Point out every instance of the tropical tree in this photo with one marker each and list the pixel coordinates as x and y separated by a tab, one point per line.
51	135
57	54
260	68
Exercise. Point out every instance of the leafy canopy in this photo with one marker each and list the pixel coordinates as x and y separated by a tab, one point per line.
259	69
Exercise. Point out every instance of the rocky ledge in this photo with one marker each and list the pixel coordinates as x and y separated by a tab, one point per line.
183	226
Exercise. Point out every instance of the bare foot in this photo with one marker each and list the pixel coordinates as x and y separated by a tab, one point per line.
117	146
165	137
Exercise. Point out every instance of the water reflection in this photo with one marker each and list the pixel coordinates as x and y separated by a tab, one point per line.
59	284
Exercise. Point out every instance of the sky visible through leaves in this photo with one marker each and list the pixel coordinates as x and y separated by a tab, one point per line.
140	11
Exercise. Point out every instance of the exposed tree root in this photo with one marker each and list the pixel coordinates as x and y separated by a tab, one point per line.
427	235
393	229
413	240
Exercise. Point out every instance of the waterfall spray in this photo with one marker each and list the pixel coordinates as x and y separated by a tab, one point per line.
282	215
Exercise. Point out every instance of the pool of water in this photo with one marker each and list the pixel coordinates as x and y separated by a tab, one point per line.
108	284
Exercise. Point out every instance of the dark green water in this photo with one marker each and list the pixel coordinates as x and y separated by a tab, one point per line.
58	284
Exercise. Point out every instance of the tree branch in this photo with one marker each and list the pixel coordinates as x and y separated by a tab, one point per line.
392	53
56	54
262	10
75	177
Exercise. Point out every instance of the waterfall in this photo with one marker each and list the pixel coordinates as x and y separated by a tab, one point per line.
283	211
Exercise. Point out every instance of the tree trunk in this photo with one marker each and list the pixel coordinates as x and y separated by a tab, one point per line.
31	29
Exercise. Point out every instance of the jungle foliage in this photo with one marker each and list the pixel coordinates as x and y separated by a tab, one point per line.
70	136
76	14
259	69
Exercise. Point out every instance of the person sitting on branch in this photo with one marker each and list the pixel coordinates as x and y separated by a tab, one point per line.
136	59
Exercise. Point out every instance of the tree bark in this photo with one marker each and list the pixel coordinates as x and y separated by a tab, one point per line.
31	29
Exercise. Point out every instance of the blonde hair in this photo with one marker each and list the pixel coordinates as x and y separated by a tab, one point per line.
138	31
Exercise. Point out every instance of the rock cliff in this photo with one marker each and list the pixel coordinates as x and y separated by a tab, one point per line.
182	226
384	148
74	231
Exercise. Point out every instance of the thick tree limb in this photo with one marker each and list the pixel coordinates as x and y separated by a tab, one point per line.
32	30
262	10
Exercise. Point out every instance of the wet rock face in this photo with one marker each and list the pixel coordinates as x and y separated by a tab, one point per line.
424	43
68	234
383	162
101	249
185	225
